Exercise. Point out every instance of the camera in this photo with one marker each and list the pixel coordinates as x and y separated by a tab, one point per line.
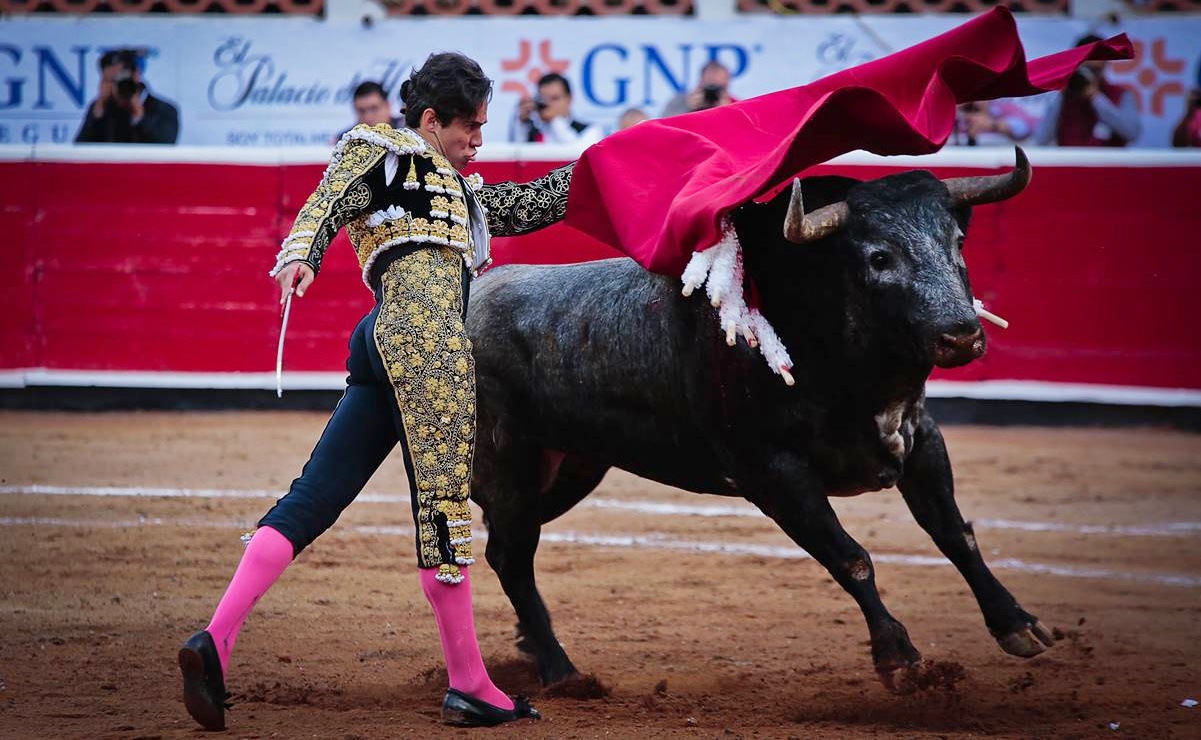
125	86
711	94
1080	80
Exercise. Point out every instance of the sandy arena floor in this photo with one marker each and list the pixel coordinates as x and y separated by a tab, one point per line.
120	531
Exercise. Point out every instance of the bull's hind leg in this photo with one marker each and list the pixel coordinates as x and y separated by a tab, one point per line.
524	492
807	517
929	489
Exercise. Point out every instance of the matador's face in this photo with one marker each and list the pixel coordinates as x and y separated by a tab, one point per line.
462	138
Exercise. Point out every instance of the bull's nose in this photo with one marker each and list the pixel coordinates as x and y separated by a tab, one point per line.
953	350
961	341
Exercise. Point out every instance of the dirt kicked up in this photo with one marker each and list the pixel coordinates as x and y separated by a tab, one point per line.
118	533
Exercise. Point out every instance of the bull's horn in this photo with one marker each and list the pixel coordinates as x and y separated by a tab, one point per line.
974	191
801	227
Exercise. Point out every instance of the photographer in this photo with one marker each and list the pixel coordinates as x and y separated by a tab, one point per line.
1091	111
124	111
371	107
547	117
1188	132
712	91
991	123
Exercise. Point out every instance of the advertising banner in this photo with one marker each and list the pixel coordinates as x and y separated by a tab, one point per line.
284	82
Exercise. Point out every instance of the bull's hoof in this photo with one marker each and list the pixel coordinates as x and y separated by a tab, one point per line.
577	686
526	652
525	646
1027	642
900	679
924	675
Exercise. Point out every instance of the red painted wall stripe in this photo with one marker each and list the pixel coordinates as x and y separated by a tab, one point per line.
162	266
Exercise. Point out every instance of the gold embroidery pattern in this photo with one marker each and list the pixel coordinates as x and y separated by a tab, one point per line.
519	208
411	216
340	196
353	202
457	210
370	240
434	183
420	336
442	218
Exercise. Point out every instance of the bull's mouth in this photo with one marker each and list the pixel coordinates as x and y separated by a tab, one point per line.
956	350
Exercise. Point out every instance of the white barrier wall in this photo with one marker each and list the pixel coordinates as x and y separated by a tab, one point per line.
287	81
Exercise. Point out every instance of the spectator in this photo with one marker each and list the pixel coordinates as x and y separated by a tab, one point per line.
991	123
547	117
1090	111
371	107
1188	132
631	117
124	111
712	91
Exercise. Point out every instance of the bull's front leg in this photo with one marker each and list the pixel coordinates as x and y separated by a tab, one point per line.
929	490
795	500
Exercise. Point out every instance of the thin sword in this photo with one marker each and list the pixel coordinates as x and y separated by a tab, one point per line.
283	330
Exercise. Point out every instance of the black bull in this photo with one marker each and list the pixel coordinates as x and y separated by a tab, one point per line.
590	366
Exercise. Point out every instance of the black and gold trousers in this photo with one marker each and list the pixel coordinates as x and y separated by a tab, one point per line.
411	381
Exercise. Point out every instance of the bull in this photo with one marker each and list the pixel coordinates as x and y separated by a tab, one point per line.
589	366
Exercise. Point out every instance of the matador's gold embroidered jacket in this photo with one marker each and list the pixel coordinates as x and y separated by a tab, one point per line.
388	187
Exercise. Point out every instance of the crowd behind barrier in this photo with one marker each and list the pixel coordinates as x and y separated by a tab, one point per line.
293	82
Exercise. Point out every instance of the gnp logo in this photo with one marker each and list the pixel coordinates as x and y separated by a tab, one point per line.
521	65
1151	76
613	74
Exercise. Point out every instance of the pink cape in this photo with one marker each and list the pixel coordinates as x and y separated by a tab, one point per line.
658	191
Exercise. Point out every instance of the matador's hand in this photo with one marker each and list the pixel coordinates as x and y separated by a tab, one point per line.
287	277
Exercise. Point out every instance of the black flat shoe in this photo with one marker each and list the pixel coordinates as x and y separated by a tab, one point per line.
203	684
466	711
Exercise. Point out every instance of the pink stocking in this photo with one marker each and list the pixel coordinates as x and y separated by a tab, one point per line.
456	626
266	557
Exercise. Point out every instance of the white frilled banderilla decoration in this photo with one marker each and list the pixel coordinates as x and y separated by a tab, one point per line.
719	268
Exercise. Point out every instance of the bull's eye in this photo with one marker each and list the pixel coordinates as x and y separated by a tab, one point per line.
880	260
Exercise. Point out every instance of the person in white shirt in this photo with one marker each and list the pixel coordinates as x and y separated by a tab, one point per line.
547	117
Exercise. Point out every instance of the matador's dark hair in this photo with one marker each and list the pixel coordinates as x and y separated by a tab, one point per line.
452	84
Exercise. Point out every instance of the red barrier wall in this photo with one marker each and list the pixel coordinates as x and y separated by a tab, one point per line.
136	266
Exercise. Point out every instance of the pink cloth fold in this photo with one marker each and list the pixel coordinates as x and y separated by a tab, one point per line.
658	191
